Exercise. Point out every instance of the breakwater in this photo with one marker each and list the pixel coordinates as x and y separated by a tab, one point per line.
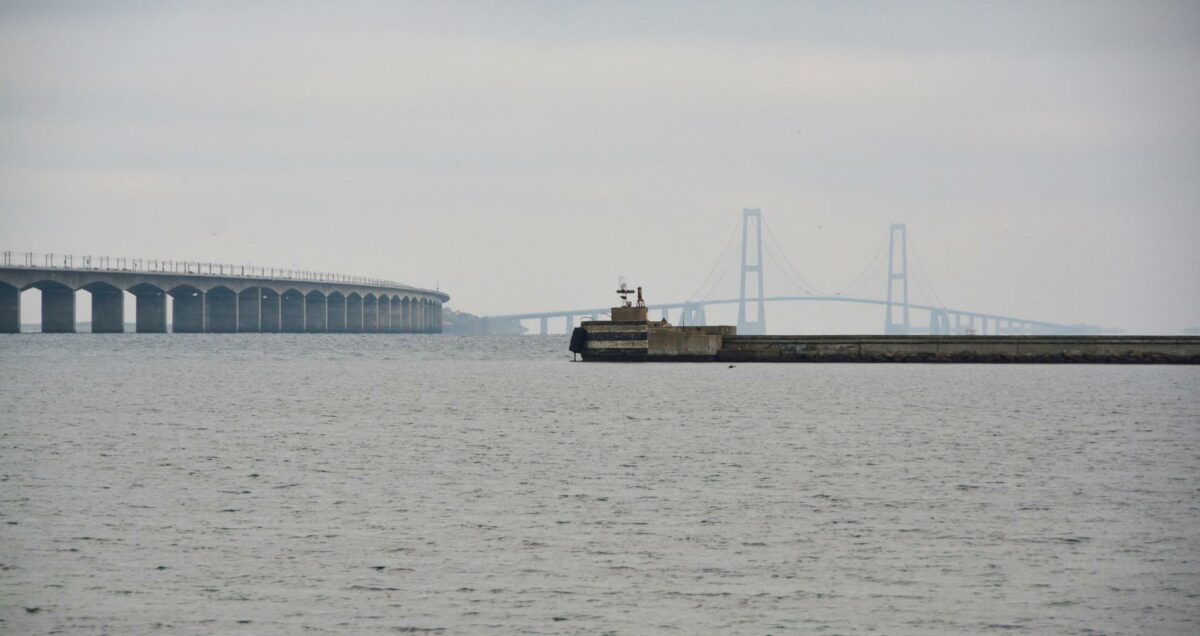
1024	349
644	341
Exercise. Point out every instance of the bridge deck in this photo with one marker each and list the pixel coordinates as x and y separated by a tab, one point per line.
224	299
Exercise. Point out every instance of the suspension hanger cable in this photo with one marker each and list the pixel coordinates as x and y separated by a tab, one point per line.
720	279
864	276
786	275
771	235
716	264
933	294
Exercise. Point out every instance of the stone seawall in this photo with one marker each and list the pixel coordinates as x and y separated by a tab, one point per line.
1021	349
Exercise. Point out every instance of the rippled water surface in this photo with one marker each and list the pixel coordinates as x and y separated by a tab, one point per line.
372	484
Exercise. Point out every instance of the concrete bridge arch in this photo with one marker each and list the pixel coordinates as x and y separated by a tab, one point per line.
217	301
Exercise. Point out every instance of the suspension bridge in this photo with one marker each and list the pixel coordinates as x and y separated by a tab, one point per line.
901	316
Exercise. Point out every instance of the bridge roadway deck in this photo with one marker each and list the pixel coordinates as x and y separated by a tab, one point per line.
988	323
221	303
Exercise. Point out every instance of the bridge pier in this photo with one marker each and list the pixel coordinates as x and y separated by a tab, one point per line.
314	312
406	315
398	323
268	311
385	314
939	323
58	308
354	313
370	314
249	310
10	309
291	312
545	326
108	309
151	309
335	312
187	310
221	310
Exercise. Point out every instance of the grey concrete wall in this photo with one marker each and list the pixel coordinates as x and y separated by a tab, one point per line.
683	342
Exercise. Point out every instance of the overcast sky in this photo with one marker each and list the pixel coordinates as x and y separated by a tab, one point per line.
521	156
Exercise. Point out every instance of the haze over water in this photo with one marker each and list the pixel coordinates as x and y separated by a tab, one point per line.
350	484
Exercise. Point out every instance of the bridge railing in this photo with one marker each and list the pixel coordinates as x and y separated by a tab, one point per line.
51	261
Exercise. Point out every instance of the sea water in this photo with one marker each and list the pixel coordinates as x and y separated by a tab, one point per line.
352	484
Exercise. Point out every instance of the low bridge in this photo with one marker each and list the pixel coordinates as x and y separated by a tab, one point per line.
211	297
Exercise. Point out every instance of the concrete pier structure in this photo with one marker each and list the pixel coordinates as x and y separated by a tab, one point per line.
221	310
291	312
58	308
385	314
151	308
396	315
269	316
370	314
335	321
187	310
108	308
212	298
249	308
10	309
354	313
314	312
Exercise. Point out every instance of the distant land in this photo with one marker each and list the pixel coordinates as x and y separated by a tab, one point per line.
456	322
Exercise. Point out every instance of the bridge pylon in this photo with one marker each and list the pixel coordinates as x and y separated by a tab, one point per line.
897	300
692	315
939	323
757	326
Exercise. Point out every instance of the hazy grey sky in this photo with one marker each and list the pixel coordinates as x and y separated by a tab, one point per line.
1046	156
